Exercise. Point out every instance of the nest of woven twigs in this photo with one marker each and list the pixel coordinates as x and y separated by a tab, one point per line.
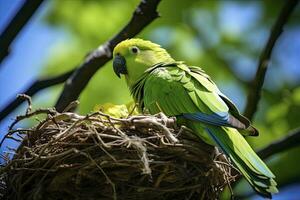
68	156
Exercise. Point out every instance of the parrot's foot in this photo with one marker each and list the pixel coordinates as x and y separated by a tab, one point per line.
160	121
163	117
166	121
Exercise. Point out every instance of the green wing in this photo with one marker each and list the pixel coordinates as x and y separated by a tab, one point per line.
197	97
174	91
198	73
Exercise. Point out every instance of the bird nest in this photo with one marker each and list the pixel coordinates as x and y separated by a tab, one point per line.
69	156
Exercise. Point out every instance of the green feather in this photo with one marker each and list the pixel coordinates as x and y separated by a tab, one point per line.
242	155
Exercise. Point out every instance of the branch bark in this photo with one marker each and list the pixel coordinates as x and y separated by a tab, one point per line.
257	83
291	140
17	23
33	89
144	14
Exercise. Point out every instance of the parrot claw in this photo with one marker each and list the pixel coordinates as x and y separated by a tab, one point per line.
160	121
162	116
166	121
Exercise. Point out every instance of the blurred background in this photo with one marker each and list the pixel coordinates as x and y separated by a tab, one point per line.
225	38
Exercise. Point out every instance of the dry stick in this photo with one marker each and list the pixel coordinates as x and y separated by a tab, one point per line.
148	121
169	190
28	115
34	88
29	101
144	14
22	117
103	172
16	24
58	137
61	135
103	145
257	83
164	129
291	140
33	175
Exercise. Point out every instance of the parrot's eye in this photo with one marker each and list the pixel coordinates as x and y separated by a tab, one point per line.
134	49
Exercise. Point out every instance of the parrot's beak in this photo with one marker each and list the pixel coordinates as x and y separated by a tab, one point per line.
119	65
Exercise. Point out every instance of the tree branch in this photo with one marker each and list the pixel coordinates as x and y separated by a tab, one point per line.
291	140
17	23
257	83
33	89
142	16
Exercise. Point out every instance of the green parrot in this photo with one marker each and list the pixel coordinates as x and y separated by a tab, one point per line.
158	83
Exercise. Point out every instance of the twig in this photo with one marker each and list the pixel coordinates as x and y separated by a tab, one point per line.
292	139
257	83
103	172
26	116
152	122
71	106
28	99
35	87
157	121
17	23
144	14
103	146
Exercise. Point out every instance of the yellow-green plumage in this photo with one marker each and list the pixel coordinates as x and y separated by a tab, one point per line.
160	84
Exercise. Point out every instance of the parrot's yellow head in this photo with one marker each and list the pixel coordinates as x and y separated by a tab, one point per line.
133	57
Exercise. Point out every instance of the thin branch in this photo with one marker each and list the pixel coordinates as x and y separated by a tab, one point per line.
35	87
257	83
17	23
27	115
27	98
291	140
144	14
